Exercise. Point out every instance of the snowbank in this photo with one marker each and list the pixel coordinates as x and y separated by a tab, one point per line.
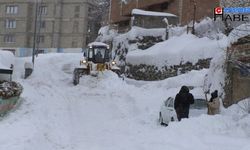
215	79
106	34
6	59
110	114
97	44
140	32
177	50
126	42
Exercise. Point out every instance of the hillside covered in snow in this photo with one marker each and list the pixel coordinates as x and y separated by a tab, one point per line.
108	113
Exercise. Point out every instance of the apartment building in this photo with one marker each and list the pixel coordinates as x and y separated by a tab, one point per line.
184	9
61	25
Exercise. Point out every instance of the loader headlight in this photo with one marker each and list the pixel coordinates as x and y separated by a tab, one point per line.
83	62
113	62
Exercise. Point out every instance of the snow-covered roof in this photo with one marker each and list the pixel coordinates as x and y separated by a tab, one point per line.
97	44
239	32
151	13
6	59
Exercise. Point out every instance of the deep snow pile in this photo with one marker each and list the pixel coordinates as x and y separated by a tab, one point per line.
108	113
216	76
123	43
177	50
106	34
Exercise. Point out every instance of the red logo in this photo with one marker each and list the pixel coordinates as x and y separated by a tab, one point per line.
218	11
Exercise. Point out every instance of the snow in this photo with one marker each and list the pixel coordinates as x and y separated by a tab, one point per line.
151	13
6	59
108	113
176	50
121	43
106	34
239	32
97	44
215	79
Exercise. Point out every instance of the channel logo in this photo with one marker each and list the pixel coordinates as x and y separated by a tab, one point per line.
232	13
218	11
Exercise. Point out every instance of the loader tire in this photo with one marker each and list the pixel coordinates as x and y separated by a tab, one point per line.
118	72
76	77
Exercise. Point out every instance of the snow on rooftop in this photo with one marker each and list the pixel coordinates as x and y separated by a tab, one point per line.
6	59
239	32
97	44
151	13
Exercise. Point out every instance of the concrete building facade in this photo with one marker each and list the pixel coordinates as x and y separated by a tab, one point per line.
61	25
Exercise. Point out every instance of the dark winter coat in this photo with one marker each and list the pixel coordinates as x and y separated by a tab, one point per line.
182	103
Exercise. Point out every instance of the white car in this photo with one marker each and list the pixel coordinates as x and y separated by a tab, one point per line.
167	112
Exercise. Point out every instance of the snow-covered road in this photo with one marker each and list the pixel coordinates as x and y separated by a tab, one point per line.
107	113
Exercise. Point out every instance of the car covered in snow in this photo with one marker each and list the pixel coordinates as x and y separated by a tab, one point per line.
167	112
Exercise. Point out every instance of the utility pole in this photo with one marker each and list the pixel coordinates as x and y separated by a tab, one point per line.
35	32
39	28
194	17
110	9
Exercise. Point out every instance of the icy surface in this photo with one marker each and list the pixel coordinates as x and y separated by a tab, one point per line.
108	113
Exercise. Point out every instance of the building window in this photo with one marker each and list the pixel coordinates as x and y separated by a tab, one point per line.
9	39
11	9
77	11
40	39
74	44
164	6
42	24
43	10
10	24
76	27
77	15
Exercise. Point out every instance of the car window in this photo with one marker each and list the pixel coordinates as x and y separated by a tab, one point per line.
169	102
90	54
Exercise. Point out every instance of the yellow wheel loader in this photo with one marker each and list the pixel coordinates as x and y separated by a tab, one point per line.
96	59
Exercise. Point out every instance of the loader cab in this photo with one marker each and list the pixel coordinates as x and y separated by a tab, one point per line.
98	52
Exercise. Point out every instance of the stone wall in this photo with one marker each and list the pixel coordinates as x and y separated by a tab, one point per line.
153	21
237	86
151	73
141	42
146	41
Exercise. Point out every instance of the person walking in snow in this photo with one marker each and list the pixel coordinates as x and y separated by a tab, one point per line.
182	103
213	106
